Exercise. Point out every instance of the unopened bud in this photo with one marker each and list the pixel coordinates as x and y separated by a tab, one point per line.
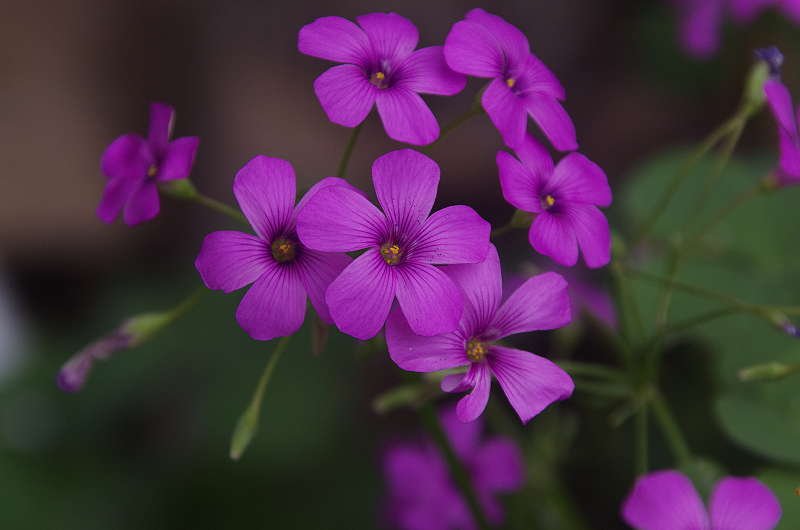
754	96
773	58
768	372
179	188
521	219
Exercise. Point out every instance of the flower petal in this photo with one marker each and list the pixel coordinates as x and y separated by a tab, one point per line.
471	406
456	234
143	204
230	260
578	179
391	35
530	382
417	353
591	230
553	235
746	10
542	302
664	500
317	270
481	286
780	101
536	77
790	154
519	184
335	39
554	121
535	156
127	157
406	117
345	93
510	41
426	71
699	27
430	300
162	118
506	111
117	192
498	466
405	182
265	190
179	158
360	298
338	219
470	49
322	184
743	504
275	305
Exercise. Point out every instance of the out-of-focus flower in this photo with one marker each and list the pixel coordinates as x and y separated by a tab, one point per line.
134	165
282	270
403	243
666	500
485	45
382	69
530	382
565	199
423	496
780	101
773	57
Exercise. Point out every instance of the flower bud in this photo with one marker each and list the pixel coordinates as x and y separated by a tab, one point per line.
521	219
179	189
768	372
773	58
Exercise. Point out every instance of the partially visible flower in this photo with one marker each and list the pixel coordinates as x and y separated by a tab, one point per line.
282	270
780	101
530	382
134	165
423	496
381	68
666	500
565	199
485	45
403	244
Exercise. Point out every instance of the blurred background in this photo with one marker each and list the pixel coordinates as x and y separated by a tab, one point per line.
145	444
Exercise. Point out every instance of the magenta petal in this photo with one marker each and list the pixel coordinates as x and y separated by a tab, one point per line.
746	10
430	300
519	184
406	117
116	194
542	302
391	35
317	270
470	49
538	78
162	117
578	179
510	41
179	157
230	260
481	286
790	154
743	504
127	157
456	234
498	466
416	353
334	38
554	121
338	219
780	101
265	190
464	437
665	500
426	71
322	184
535	157
592	232
275	304
405	182
507	112
143	204
345	93
699	27
471	406
553	236
360	298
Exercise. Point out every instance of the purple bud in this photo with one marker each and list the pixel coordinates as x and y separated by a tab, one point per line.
774	59
75	372
790	329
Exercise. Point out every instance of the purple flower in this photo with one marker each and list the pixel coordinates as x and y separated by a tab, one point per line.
282	270
381	68
403	244
134	165
780	101
529	382
421	494
666	500
485	45
565	199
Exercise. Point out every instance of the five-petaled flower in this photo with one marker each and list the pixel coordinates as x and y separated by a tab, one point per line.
381	68
666	500
780	101
403	244
485	45
421	493
283	271
565	199
134	165
530	382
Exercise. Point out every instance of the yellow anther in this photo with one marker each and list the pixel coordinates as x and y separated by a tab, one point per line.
549	200
476	350
152	171
283	249
511	82
380	75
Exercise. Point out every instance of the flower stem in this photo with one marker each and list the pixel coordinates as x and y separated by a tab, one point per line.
474	110
497	232
221	207
726	210
348	150
663	415
185	190
457	470
641	440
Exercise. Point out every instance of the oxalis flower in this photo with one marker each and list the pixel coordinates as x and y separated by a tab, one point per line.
564	199
134	165
403	243
381	68
530	382
485	45
282	270
423	496
666	500
780	101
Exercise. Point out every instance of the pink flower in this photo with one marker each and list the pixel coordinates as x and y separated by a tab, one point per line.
780	101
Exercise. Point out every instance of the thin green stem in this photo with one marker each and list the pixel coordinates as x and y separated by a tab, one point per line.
220	207
185	190
187	304
726	210
580	369
475	110
641	440
692	322
341	172
497	232
670	429
457	470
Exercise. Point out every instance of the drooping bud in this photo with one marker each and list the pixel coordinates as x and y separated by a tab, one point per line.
754	97
782	322
773	58
768	371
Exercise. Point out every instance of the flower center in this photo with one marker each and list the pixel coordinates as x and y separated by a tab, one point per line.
476	350
152	171
547	202
511	82
283	249
379	80
391	253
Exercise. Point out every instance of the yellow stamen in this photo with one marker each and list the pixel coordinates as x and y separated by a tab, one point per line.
391	253
152	171
380	75
476	350
511	82
283	249
549	200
